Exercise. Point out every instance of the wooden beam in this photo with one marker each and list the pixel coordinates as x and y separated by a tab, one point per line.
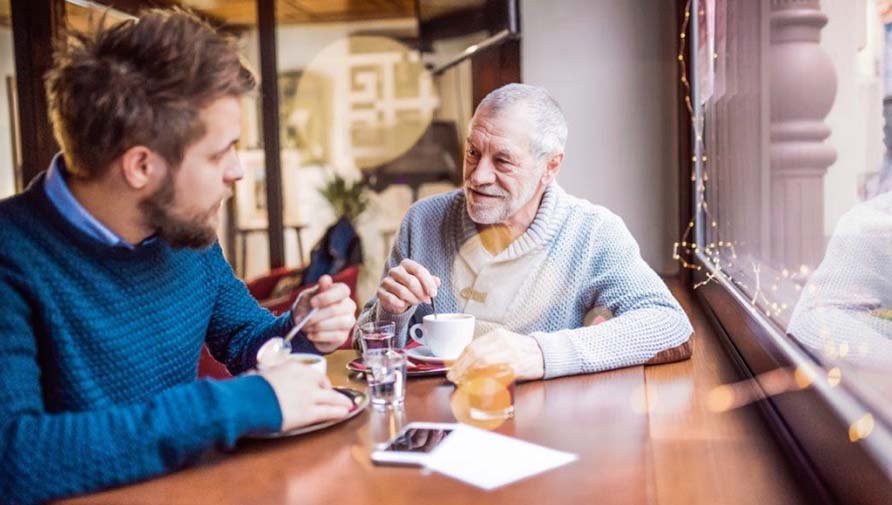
35	28
494	68
269	90
455	24
134	7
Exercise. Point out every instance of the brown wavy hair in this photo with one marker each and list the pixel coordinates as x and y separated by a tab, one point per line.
140	82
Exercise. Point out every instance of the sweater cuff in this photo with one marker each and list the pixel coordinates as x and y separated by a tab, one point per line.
559	355
252	405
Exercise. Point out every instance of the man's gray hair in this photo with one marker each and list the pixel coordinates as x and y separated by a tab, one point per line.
550	135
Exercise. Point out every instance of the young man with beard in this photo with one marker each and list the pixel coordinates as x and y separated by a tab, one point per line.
111	277
532	263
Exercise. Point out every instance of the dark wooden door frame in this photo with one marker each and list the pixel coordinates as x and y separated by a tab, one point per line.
685	147
36	27
495	67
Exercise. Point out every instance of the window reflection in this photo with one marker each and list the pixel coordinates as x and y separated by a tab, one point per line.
844	313
845	310
794	204
358	106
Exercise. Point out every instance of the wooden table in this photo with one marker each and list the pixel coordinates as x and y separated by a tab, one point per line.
643	435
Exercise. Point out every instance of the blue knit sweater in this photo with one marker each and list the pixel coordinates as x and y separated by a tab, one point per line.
99	349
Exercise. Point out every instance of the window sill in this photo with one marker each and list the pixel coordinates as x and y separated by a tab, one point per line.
811	423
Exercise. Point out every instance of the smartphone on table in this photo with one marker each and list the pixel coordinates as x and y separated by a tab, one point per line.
412	444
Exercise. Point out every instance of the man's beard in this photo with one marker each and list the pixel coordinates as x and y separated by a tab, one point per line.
505	209
194	232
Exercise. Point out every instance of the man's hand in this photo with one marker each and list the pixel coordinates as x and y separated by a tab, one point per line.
305	395
331	325
501	346
405	285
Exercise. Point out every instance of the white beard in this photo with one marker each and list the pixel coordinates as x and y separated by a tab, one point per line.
500	212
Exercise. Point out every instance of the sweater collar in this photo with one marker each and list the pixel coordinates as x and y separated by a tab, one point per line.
36	193
540	232
56	187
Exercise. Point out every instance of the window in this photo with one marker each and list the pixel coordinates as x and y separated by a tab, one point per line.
792	210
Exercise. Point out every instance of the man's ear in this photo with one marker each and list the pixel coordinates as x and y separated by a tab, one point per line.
141	167
552	167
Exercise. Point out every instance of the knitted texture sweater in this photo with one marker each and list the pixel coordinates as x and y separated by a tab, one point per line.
848	298
99	350
591	261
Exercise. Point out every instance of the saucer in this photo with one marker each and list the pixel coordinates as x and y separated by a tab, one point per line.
414	369
423	353
360	402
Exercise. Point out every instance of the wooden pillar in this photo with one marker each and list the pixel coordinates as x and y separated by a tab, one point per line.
35	27
802	87
269	89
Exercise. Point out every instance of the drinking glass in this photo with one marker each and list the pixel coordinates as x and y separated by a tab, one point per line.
490	392
377	335
386	376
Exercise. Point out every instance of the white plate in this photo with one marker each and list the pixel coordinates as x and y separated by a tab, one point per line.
422	353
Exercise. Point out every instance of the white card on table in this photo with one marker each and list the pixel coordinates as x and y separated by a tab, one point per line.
489	460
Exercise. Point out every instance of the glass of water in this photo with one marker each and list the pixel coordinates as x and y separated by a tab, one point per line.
386	377
376	335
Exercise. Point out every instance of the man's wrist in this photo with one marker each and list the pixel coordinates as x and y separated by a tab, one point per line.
382	314
534	359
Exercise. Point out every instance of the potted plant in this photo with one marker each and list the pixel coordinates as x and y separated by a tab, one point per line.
347	199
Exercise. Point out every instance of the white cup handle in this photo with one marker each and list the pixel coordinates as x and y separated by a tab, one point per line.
419	339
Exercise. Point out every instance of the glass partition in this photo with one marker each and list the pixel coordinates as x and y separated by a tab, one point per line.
792	143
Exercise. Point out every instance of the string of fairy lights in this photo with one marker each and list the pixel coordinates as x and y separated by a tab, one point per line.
722	254
773	382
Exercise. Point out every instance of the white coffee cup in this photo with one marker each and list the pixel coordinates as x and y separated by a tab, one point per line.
271	354
312	360
446	335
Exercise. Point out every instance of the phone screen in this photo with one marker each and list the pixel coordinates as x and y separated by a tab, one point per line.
418	440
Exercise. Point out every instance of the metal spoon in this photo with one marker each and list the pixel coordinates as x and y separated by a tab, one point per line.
286	344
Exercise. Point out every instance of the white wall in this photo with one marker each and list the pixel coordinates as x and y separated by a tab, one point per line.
7	68
611	65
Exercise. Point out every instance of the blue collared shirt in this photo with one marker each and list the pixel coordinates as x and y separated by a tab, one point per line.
58	193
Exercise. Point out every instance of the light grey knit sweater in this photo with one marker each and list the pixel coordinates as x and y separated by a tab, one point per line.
847	299
592	261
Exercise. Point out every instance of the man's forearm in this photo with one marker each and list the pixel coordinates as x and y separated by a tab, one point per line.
91	450
633	338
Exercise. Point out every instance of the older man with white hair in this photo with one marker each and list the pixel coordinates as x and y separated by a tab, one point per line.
530	262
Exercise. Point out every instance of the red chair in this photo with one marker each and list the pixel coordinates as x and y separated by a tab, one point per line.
261	289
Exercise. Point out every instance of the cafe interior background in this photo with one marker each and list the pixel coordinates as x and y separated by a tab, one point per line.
679	122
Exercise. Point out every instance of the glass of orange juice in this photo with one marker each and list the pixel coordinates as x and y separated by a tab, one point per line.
490	392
